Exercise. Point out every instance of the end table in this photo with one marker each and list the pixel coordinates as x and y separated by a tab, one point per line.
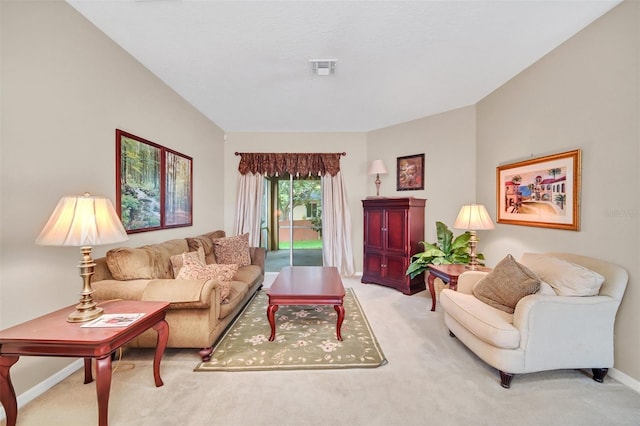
448	274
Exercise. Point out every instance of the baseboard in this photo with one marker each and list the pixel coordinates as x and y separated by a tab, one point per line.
625	379
45	385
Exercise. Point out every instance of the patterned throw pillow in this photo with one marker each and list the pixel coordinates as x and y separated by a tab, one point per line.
176	260
194	269
506	284
233	250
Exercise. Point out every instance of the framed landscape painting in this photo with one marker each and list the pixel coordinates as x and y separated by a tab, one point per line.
543	192
154	185
410	173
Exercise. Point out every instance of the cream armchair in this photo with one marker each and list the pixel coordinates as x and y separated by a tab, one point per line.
546	331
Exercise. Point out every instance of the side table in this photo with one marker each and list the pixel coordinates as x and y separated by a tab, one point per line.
448	274
52	335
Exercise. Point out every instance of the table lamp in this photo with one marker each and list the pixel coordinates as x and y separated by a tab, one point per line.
377	168
473	217
83	221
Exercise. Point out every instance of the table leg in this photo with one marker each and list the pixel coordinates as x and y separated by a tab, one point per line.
340	310
271	311
163	335
7	393
103	386
88	375
432	291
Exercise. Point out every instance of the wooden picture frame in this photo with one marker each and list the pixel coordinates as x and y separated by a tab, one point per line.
542	192
154	185
410	173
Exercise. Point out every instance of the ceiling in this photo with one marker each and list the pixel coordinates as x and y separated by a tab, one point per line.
245	64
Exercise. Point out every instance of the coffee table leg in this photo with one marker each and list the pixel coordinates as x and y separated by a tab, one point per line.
7	393
103	386
340	310
163	335
271	312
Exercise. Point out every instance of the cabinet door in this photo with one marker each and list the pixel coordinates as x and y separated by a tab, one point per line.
396	227
395	268
374	223
373	265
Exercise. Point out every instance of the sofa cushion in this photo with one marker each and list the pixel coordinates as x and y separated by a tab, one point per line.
249	274
506	284
132	263
489	324
176	259
233	250
193	269
163	252
204	242
566	278
238	290
116	290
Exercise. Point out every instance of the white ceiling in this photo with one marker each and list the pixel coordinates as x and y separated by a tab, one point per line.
245	64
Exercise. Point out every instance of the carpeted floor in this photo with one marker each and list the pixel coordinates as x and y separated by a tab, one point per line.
430	379
278	259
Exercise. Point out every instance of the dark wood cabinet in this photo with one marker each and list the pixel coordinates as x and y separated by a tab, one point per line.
393	229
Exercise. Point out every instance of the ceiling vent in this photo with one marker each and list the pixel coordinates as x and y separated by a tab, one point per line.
323	67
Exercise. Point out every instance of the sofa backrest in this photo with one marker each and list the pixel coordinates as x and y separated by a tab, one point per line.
615	277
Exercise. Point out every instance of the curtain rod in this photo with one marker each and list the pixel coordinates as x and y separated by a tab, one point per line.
343	154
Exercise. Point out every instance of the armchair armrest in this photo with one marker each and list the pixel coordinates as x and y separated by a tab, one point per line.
467	280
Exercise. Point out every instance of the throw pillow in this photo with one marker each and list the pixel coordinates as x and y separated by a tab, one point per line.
207	245
177	262
233	250
194	269
566	278
126	263
506	284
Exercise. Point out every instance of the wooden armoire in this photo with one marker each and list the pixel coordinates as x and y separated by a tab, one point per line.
393	229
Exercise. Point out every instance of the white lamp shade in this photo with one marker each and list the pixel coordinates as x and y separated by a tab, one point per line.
82	220
473	217
377	167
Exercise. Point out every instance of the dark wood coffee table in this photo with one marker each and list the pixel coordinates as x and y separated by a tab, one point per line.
52	335
306	285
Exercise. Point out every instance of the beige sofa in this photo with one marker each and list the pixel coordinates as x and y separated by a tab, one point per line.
197	315
567	324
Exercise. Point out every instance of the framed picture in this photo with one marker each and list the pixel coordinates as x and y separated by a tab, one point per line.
543	192
410	173
154	185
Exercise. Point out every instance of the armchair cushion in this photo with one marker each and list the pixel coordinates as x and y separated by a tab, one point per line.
506	284
566	278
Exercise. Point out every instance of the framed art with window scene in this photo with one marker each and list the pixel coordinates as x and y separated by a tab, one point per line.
410	173
542	192
154	185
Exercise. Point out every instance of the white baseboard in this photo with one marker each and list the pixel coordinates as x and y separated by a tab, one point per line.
625	379
45	385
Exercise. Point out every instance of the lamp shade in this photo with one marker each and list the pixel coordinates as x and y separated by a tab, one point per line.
473	217
82	220
377	167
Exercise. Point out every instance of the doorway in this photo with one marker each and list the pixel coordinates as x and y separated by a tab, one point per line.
292	222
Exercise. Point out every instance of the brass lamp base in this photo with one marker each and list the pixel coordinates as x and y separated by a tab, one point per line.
87	309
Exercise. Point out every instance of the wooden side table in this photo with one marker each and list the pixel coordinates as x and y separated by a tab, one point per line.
52	335
448	274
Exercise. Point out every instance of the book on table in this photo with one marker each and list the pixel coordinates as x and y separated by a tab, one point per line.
113	320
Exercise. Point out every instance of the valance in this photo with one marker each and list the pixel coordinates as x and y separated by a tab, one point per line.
296	164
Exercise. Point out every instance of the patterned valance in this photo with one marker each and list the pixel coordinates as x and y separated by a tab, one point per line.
296	164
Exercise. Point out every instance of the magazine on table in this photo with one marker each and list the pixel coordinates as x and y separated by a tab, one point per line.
113	320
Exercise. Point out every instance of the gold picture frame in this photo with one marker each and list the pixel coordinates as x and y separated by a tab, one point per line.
542	192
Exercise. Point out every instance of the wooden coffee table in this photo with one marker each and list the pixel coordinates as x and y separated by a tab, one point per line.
306	285
52	335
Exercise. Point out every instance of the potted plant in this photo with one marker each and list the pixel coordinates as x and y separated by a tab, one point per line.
446	250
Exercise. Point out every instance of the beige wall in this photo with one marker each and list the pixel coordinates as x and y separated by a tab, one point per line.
585	95
66	87
352	166
448	142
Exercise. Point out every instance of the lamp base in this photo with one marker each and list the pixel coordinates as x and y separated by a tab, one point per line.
82	315
87	309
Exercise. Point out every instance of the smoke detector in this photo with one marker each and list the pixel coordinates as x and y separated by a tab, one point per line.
323	67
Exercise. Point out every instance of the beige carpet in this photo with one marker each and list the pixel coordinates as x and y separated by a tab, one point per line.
431	379
305	339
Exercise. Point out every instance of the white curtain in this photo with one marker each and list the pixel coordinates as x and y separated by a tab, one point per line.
336	226
249	211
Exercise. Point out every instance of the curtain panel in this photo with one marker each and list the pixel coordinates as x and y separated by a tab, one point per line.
297	164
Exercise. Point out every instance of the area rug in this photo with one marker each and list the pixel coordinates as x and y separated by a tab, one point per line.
305	339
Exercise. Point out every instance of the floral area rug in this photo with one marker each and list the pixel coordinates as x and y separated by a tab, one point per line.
305	339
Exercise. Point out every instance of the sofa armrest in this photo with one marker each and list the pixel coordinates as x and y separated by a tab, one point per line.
183	294
467	280
576	332
258	255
